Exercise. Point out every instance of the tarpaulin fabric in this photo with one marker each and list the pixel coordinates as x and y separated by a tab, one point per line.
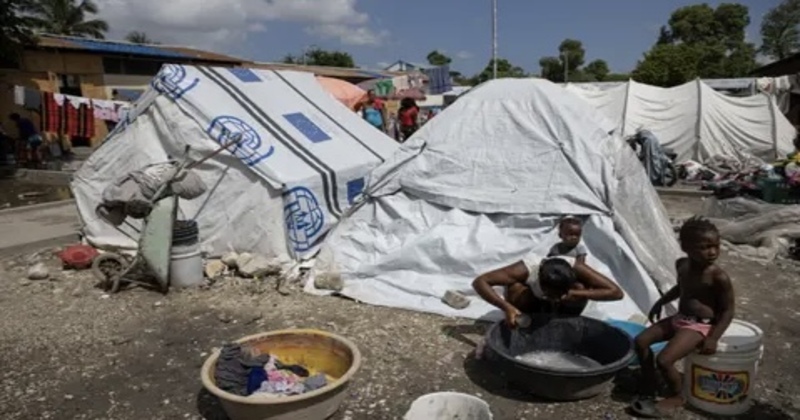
485	183
345	92
694	120
302	159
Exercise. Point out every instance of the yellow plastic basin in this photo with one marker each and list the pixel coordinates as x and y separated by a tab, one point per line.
317	351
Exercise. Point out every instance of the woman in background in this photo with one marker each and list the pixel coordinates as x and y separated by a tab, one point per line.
407	116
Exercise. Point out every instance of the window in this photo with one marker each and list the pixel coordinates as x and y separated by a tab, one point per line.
131	66
69	84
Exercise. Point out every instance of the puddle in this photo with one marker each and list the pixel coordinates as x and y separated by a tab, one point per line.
14	193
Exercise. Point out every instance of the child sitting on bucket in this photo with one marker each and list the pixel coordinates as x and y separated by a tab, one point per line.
570	230
705	311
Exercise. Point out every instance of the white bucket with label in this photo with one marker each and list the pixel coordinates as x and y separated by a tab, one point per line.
448	406
722	384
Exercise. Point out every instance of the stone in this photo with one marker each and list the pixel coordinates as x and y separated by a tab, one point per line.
214	268
230	259
329	281
38	272
259	266
455	299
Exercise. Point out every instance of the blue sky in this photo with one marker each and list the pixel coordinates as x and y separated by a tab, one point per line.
618	31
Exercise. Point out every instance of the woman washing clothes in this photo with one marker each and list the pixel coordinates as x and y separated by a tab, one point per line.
554	285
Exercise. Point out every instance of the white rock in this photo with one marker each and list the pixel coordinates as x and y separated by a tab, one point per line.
329	281
243	259
455	299
38	272
214	268
230	259
259	266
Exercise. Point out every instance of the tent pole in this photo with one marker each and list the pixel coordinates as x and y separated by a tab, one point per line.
698	124
625	108
494	39
772	104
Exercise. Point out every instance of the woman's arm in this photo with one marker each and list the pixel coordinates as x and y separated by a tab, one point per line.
598	286
506	276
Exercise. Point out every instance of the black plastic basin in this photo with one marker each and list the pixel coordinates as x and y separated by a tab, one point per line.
611	348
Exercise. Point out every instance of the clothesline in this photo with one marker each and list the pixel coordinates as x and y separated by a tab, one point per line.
69	114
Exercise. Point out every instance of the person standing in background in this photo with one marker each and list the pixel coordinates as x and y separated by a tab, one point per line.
407	116
29	137
373	111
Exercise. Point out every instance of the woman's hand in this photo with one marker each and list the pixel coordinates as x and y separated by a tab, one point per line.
512	314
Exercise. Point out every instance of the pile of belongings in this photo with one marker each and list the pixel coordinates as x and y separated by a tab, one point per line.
729	177
132	194
239	372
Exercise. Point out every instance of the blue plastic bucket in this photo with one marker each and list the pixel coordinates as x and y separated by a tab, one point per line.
633	329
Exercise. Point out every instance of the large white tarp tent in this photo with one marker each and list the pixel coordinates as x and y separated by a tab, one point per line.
484	183
693	119
301	161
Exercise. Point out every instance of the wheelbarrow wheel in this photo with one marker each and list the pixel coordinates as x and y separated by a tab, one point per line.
109	268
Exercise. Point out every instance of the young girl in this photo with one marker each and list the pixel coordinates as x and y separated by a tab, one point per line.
705	311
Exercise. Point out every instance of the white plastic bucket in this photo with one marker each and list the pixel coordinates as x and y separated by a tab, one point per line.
448	406
185	266
722	383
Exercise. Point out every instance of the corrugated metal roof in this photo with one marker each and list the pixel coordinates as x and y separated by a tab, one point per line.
127	48
340	72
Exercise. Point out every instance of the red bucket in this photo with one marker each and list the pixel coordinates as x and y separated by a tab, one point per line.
78	256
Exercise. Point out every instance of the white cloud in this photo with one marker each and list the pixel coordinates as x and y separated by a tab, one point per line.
358	35
464	55
222	24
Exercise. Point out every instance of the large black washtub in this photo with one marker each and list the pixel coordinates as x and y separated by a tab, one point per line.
611	348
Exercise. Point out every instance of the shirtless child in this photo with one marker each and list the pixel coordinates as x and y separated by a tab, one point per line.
705	311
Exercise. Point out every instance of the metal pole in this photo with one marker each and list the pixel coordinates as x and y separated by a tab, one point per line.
494	39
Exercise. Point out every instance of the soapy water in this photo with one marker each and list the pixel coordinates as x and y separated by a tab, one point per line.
558	360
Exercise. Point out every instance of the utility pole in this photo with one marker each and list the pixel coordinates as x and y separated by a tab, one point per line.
494	39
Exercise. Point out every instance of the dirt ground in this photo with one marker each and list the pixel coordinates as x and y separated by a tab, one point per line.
69	351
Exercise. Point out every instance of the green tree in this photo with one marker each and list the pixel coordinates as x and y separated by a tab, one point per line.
138	37
779	30
319	57
572	56
504	70
699	41
67	17
435	58
598	70
15	31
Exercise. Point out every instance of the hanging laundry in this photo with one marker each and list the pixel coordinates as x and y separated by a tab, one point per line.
104	110
67	114
384	87
439	80
51	114
19	95
401	83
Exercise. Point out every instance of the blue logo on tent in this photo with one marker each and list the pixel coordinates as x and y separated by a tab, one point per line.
354	188
245	75
225	129
303	216
307	127
172	81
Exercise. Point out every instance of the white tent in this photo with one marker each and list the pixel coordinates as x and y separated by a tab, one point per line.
693	119
301	162
484	183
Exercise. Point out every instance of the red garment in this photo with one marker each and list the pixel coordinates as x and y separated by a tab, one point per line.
66	119
408	117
